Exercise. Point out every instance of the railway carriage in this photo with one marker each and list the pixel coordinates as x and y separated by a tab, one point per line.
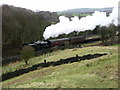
64	41
59	42
75	40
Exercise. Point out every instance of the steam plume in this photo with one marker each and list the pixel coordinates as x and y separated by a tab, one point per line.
89	22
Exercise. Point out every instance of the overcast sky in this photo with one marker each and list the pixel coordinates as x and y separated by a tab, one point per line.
59	5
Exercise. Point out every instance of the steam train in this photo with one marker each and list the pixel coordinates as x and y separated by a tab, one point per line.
63	42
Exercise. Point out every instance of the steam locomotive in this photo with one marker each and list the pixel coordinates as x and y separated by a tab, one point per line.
63	42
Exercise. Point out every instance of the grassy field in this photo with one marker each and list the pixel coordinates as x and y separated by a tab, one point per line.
99	72
21	64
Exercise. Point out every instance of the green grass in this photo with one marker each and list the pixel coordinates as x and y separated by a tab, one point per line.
90	44
49	57
21	64
95	73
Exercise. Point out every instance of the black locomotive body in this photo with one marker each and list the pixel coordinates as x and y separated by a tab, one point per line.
64	41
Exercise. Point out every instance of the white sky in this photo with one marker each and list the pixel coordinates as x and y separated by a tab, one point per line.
58	5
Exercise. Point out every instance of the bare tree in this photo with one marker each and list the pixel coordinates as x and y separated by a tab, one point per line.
26	53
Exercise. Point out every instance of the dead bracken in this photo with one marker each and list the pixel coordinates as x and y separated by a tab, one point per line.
52	63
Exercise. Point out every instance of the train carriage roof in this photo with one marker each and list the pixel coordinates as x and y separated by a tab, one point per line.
59	39
32	44
41	42
72	38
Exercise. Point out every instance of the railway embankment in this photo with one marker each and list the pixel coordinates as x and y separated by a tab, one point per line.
52	63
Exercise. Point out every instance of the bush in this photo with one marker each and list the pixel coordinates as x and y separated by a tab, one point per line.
27	52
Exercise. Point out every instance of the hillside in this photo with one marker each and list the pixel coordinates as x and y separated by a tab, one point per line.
86	10
83	12
20	25
100	72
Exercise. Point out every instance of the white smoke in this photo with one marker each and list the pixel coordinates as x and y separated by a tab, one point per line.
66	26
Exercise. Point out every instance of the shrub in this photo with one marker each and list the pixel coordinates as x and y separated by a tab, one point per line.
55	48
27	52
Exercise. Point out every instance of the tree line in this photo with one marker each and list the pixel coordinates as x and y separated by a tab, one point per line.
109	35
20	25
